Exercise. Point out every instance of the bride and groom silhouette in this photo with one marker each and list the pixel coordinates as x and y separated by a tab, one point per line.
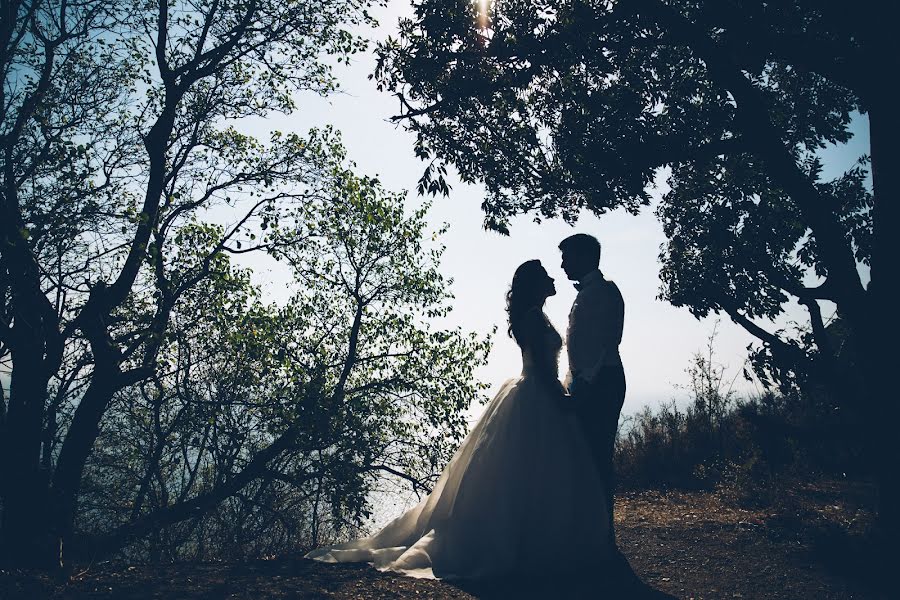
531	487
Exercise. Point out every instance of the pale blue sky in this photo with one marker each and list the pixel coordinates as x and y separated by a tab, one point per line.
658	339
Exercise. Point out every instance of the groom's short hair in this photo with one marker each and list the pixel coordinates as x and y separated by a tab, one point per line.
583	245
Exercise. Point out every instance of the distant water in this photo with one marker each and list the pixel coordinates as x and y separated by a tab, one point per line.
388	504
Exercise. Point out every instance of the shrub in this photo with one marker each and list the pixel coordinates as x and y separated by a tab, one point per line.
720	440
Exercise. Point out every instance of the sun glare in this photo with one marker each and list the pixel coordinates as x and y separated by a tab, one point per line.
483	6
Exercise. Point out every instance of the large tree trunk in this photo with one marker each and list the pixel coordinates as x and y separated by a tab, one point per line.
36	352
26	538
878	353
878	333
79	442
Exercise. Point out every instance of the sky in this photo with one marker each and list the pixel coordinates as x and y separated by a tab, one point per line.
658	341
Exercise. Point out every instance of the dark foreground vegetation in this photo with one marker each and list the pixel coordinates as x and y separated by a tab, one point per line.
809	543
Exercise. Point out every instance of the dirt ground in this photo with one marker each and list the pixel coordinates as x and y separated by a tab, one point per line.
808	542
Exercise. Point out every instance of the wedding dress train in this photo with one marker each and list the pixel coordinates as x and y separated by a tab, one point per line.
521	494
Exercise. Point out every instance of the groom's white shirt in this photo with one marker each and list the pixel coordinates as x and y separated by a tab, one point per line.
595	327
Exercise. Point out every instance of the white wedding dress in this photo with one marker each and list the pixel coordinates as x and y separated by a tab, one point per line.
521	494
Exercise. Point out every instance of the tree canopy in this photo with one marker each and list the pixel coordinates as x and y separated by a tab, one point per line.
567	106
266	427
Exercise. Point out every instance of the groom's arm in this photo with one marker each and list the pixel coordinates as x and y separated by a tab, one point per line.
612	318
596	331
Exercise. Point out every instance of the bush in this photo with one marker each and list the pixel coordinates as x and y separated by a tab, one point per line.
722	441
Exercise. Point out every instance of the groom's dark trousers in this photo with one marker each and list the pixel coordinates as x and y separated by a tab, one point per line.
598	405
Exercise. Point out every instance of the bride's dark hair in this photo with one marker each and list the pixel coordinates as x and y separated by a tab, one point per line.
524	294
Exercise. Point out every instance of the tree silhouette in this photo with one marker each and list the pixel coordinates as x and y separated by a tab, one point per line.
113	139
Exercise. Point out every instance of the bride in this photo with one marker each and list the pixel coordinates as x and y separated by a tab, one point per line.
521	493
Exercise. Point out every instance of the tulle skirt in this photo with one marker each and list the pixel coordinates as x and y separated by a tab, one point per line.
520	495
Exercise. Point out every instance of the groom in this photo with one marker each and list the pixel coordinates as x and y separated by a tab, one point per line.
596	380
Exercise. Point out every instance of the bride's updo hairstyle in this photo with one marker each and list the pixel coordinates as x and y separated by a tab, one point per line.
526	292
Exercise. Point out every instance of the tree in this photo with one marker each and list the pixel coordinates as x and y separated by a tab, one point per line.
115	136
571	105
349	381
